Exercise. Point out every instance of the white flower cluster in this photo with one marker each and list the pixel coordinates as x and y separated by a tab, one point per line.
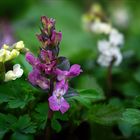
110	49
95	21
13	74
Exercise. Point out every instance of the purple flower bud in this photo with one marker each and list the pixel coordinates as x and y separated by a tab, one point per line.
48	23
56	37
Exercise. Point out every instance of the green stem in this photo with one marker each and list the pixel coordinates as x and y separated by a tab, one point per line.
109	78
2	71
48	130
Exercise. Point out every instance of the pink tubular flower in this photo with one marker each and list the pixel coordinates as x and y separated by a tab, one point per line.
46	56
36	79
74	71
31	59
57	101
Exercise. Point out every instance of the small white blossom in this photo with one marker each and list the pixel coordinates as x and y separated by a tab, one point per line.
116	38
14	74
100	27
121	17
108	52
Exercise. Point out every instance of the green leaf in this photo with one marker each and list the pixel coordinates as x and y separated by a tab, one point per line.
125	128
131	89
137	75
24	125
17	97
131	116
5	123
87	96
56	125
20	136
40	115
60	116
20	102
137	101
105	114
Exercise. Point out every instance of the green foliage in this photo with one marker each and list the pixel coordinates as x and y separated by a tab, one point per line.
17	97
40	115
105	114
21	125
6	122
87	96
20	136
55	123
131	116
20	102
24	125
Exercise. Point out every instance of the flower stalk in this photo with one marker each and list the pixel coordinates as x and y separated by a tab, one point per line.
109	78
51	72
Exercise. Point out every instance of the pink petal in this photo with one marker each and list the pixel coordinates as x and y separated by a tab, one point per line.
53	103
64	105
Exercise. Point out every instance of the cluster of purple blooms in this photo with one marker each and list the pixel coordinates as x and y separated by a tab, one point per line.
48	73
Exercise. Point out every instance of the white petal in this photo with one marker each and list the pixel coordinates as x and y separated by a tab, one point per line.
9	76
17	70
101	27
116	38
16	73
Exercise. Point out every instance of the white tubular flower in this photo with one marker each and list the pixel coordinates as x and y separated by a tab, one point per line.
17	72
100	27
19	45
108	53
116	38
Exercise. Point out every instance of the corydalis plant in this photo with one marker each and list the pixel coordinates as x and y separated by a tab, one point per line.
51	72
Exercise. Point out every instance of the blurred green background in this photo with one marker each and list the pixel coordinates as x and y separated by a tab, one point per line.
23	19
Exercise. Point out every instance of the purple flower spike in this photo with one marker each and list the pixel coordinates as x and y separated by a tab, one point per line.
57	101
48	67
74	71
36	79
